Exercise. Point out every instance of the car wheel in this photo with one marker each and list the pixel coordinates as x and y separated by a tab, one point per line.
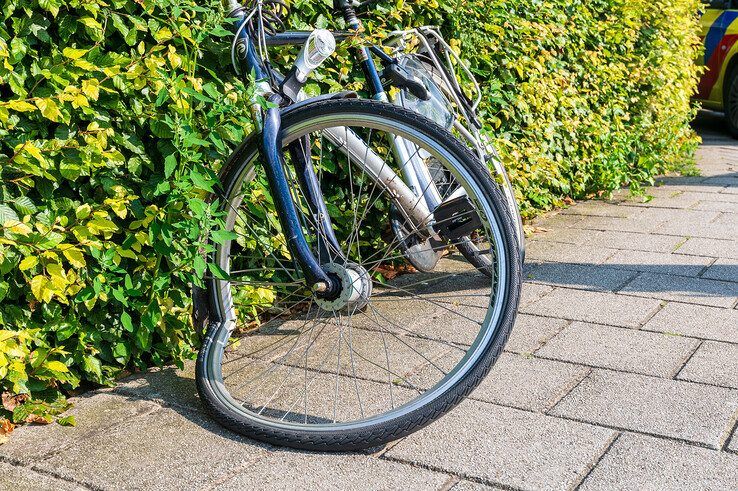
731	102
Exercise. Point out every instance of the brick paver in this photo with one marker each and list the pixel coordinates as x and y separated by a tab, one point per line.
713	363
696	413
507	447
642	462
620	349
696	321
621	373
596	307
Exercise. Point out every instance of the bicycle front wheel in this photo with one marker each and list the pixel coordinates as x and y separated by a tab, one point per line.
397	348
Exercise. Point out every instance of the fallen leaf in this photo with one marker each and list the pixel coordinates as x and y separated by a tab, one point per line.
10	401
67	421
38	419
6	428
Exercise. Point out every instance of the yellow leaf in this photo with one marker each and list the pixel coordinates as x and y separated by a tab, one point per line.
83	211
56	366
80	101
97	225
85	65
16	227
74	53
33	150
38	285
90	22
75	257
174	59
20	106
58	276
91	88
163	34
118	206
49	109
28	263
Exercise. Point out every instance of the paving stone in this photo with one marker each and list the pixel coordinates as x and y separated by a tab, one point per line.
691	290
659	262
709	230
539	251
166	385
713	363
620	349
648	220
528	383
696	321
596	307
575	236
733	443
599	208
532	331
674	199
684	410
285	469
531	292
507	447
16	478
642	462
722	270
697	187
95	413
729	222
556	220
472	486
163	450
714	205
632	224
709	247
587	277
634	241
714	197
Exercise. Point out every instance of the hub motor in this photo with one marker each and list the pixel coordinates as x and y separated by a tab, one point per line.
355	288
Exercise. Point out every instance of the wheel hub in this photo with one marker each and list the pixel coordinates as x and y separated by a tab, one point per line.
355	288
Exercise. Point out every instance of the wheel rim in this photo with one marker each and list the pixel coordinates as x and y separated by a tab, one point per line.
343	330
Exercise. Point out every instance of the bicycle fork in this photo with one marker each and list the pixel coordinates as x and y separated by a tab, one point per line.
357	151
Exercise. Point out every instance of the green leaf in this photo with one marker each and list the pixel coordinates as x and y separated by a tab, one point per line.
74	53
67	421
170	163
125	319
24	205
221	236
7	213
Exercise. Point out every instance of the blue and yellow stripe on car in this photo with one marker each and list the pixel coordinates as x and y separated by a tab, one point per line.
720	46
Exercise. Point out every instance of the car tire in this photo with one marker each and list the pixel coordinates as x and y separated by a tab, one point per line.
730	101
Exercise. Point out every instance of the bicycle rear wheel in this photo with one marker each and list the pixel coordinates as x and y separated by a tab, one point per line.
395	350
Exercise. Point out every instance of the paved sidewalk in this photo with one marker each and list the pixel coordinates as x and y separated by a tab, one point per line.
622	373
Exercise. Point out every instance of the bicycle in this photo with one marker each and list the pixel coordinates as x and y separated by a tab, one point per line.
315	339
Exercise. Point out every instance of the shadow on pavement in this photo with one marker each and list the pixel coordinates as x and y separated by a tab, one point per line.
712	126
672	277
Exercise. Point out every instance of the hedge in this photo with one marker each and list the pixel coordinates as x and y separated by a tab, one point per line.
115	114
